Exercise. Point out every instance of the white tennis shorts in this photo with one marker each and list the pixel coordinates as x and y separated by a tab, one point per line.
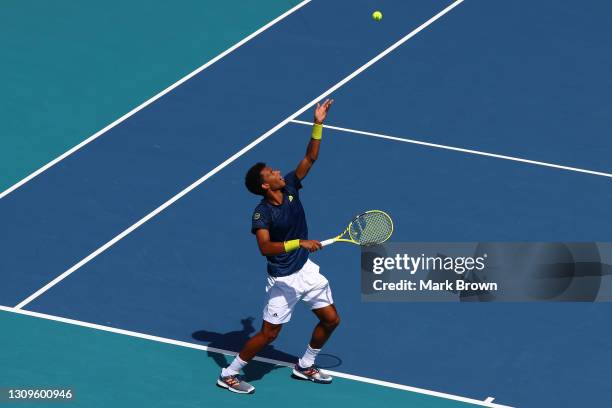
283	293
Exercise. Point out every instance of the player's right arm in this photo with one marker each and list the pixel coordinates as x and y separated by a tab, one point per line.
270	248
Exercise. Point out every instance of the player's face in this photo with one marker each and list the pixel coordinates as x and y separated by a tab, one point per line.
272	179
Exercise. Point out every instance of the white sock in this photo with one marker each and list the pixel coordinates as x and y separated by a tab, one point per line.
309	357
234	368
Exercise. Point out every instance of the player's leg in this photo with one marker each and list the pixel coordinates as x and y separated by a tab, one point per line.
319	297
268	333
328	321
229	375
281	299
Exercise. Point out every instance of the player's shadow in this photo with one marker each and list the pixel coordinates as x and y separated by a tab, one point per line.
234	341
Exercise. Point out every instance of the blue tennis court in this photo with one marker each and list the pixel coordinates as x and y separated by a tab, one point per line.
145	229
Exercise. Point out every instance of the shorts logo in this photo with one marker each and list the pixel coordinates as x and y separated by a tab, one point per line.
290	198
256	216
275	315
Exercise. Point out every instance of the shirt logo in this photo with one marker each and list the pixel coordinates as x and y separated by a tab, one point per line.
256	216
290	198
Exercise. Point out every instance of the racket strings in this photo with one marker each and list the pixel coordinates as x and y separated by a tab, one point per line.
371	228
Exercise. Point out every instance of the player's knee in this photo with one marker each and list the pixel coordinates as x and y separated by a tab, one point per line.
332	323
270	334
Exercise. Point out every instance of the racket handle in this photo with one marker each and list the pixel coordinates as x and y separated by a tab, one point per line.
327	242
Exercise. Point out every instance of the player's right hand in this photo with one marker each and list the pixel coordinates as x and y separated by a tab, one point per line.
310	244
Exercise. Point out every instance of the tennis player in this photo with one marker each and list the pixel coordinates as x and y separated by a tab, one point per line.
279	223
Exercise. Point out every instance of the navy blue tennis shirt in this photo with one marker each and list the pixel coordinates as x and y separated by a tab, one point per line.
284	222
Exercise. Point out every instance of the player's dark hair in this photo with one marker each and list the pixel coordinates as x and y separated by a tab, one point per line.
253	179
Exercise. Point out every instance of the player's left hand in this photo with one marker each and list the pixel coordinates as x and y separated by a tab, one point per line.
321	111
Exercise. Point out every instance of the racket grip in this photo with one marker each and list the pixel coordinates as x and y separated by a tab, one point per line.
327	242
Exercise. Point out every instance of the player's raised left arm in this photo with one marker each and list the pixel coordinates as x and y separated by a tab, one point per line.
312	152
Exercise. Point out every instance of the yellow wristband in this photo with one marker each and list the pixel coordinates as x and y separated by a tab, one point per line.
292	245
317	131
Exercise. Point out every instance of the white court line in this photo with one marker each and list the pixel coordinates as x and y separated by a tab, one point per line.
150	101
232	158
459	149
485	403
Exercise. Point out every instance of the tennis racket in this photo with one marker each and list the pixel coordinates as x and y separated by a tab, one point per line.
370	228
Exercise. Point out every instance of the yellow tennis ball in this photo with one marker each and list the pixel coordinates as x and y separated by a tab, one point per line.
377	15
